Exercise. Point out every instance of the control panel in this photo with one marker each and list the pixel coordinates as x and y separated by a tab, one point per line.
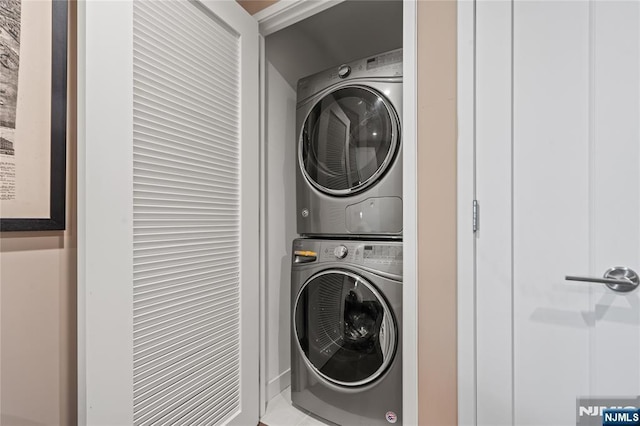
384	65
384	256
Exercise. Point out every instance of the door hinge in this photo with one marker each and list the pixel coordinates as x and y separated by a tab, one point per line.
476	217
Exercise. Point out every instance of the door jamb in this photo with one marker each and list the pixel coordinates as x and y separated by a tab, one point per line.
283	14
262	243
466	194
410	365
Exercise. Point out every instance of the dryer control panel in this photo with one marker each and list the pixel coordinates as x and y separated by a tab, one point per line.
384	256
384	65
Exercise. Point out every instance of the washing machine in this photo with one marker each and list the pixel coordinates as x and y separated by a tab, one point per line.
349	174
346	348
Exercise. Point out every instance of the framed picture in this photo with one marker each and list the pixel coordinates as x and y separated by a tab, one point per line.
33	114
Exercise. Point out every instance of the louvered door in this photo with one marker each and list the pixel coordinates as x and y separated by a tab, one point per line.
168	212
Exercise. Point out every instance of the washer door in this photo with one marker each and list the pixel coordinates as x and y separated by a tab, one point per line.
344	328
348	140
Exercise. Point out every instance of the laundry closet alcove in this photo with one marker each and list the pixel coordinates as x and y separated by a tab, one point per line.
136	87
343	33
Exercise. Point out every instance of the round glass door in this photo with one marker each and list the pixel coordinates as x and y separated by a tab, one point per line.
344	328
348	140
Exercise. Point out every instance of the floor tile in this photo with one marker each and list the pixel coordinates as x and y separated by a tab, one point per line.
311	421
280	412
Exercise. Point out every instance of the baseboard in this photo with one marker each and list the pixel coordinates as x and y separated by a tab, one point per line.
278	384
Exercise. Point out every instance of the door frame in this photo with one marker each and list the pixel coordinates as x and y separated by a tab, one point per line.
95	207
281	15
485	257
466	292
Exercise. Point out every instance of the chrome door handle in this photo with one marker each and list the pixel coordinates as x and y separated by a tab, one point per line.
619	278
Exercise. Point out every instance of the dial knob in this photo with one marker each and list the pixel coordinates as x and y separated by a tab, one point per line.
344	71
340	252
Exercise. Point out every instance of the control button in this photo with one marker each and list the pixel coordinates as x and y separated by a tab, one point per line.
305	213
344	71
340	252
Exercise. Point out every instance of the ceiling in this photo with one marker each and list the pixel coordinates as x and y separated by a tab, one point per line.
350	30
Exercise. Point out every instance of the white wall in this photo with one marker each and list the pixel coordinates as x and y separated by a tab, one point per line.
280	226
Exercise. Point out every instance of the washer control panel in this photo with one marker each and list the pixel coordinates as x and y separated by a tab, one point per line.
369	253
385	256
382	254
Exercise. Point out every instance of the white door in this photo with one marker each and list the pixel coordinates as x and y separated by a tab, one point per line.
558	183
168	213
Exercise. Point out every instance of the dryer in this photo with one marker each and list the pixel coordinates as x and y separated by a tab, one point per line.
349	174
346	356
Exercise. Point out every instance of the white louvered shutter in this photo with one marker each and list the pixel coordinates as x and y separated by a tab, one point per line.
193	217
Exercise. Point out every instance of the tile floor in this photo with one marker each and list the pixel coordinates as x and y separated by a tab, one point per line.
280	412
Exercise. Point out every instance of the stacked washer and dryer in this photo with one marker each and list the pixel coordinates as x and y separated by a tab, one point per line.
346	274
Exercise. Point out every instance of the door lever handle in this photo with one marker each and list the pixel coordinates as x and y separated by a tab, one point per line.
619	278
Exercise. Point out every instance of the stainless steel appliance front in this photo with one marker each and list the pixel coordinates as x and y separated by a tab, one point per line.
346	330
349	174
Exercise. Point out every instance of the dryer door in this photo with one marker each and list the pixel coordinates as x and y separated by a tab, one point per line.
344	328
348	140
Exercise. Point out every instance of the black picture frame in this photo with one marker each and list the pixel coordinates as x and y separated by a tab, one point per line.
56	219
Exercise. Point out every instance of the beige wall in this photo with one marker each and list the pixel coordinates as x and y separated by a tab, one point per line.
255	6
38	309
437	139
